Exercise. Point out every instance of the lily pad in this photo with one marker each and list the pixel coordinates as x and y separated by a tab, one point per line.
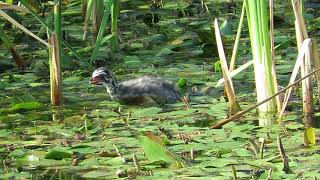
146	112
132	61
26	106
58	155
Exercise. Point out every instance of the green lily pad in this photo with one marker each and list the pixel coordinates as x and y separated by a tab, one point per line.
96	174
58	155
132	61
26	106
4	133
156	151
146	112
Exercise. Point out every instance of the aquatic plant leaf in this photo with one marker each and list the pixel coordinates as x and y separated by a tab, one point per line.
164	51
309	136
71	80
157	38
182	83
36	84
4	85
58	155
217	66
26	106
106	38
4	133
156	151
17	153
220	162
132	61
294	126
219	110
226	29
16	175
33	158
146	112
136	45
180	112
115	161
104	113
96	174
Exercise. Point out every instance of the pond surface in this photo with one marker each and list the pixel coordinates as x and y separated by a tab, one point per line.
98	137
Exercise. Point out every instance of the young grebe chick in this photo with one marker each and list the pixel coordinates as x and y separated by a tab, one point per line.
136	91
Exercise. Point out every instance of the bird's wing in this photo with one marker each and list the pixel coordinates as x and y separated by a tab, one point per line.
148	86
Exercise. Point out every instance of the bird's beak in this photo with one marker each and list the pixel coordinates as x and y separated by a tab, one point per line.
96	80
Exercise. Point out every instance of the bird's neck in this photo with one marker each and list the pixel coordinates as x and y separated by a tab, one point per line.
112	89
111	86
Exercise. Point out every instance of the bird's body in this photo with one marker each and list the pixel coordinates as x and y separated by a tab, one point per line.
136	91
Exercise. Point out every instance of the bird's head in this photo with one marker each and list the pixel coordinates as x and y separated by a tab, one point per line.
105	77
101	76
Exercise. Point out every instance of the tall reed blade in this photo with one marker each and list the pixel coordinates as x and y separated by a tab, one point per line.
301	35
55	72
97	13
115	11
57	26
272	49
234	106
84	8
50	29
103	26
8	44
260	44
86	19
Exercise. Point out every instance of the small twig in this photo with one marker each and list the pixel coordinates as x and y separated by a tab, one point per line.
262	147
268	135
5	167
20	26
192	154
150	173
135	162
234	172
207	9
118	112
284	157
185	100
254	147
128	118
239	114
119	154
269	174
85	125
6	6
